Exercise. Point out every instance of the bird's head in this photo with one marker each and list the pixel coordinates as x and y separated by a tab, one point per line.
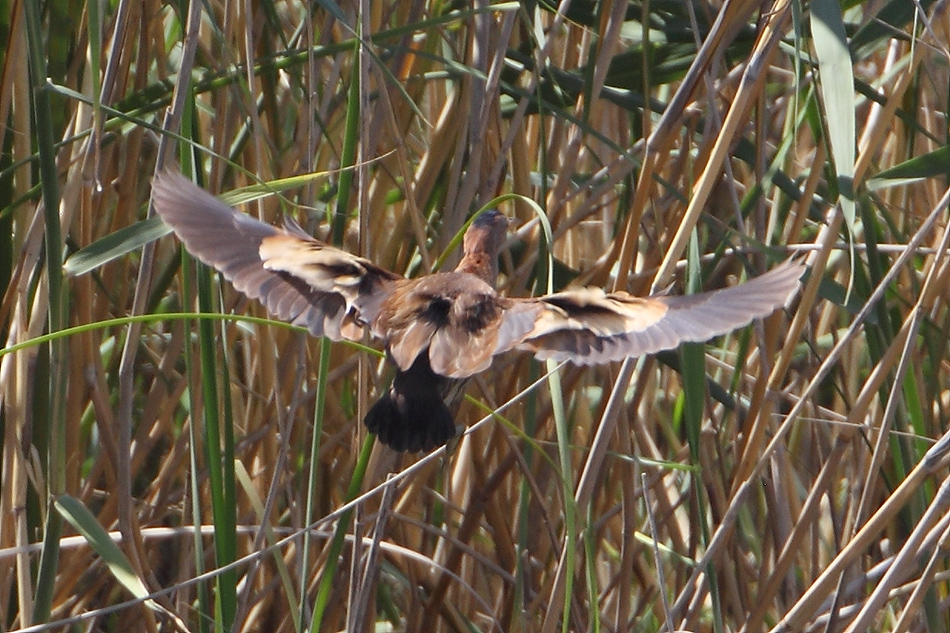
482	243
487	233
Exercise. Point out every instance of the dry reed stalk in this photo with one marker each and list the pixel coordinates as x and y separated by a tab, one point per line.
781	503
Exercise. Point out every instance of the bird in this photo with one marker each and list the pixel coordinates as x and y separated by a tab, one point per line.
442	328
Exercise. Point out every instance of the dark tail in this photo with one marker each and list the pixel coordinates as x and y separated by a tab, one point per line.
412	416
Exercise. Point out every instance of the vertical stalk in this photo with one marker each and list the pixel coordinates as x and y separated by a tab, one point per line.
57	313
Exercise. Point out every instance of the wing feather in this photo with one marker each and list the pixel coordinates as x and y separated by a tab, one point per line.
296	277
590	326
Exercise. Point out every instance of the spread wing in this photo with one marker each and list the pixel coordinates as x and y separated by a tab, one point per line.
297	278
590	326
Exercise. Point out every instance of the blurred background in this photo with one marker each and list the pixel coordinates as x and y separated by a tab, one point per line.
173	460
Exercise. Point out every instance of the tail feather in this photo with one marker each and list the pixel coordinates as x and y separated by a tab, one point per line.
412	416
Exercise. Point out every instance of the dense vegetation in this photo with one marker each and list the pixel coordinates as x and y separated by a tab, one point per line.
169	470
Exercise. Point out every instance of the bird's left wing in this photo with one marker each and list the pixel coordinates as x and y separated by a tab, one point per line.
298	279
590	326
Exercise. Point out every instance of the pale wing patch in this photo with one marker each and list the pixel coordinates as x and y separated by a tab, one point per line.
517	322
588	326
593	310
360	283
296	277
466	343
322	267
408	342
454	318
457	353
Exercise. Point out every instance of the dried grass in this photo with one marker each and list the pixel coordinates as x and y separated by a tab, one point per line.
788	477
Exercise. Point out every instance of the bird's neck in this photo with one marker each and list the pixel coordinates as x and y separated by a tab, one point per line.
480	264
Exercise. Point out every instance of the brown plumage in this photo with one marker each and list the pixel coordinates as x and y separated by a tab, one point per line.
447	326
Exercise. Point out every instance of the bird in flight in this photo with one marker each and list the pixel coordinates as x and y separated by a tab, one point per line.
442	328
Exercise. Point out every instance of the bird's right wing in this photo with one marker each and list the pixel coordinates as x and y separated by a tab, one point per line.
589	326
298	279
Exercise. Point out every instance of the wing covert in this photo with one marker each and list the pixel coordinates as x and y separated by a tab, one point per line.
297	278
589	326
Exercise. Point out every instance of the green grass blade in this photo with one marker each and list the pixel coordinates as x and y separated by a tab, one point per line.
693	373
313	474
57	311
935	164
348	155
339	538
219	449
115	245
79	516
837	90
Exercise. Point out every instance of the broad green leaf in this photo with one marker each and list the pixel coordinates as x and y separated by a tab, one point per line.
115	245
837	92
79	516
936	164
